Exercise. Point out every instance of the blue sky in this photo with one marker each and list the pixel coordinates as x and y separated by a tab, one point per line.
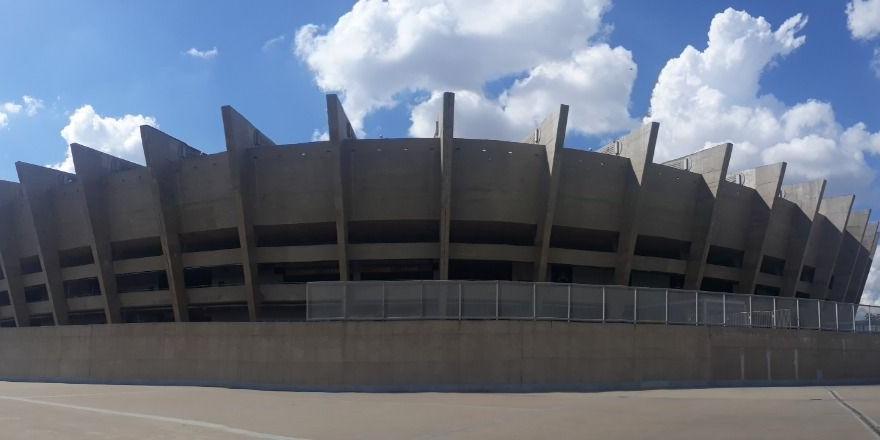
125	58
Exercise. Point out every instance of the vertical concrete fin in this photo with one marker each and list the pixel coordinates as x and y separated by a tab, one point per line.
807	196
638	147
446	126
339	131
826	246
849	258
712	164
91	167
242	136
767	182
863	263
550	134
164	155
10	193
38	183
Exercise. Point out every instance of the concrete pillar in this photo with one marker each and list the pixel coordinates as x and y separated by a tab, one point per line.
766	181
446	126
638	147
91	167
242	136
339	130
807	197
711	164
863	263
844	265
164	154
38	183
825	240
10	260
550	134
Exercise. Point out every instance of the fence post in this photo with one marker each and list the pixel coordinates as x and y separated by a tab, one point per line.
534	301
819	312
384	312
568	317
797	307
854	309
750	310
836	318
773	314
603	304
308	304
869	320
666	309
459	301
696	307
723	310
635	304
344	300
497	299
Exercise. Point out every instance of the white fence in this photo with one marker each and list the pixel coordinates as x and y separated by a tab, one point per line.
389	300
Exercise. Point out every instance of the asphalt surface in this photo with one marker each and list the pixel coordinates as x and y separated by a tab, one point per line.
73	411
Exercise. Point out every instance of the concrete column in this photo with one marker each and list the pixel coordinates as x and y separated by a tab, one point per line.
446	126
550	134
850	244
638	147
825	240
242	136
339	130
10	260
862	265
807	197
38	183
164	154
860	286
766	181
91	167
712	164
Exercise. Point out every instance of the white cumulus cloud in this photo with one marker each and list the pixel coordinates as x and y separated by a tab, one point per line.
379	53
708	96
117	136
203	54
863	18
30	105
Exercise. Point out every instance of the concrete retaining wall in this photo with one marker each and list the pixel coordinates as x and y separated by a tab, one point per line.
436	355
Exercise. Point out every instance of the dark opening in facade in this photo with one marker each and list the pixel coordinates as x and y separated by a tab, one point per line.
81	287
34	294
640	278
480	270
80	256
661	247
8	322
142	281
393	270
137	248
148	314
808	274
41	320
214	276
215	240
295	235
723	256
479	232
565	237
4	298
87	318
761	289
772	265
284	273
31	265
219	313
718	285
394	231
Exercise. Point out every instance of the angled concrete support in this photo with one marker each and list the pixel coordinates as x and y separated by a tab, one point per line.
446	126
91	167
242	136
863	263
638	147
550	134
339	130
164	154
825	240
807	197
9	257
767	182
38	183
844	265
712	164
860	286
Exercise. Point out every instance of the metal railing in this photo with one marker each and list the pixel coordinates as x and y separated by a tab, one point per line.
513	300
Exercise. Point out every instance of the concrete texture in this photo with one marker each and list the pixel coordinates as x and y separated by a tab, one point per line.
49	411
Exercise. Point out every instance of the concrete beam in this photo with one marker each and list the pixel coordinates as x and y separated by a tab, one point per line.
847	255
164	154
242	136
712	164
638	147
834	214
339	131
766	181
91	167
863	263
550	134
38	183
446	126
10	260
807	197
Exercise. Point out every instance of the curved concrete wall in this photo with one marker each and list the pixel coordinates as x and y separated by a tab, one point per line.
436	355
259	216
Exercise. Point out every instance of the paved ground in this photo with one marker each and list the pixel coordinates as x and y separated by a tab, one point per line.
51	411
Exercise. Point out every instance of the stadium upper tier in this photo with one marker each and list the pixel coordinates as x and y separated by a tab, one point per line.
196	236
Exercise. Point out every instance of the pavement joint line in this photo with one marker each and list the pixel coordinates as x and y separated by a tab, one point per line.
867	421
188	422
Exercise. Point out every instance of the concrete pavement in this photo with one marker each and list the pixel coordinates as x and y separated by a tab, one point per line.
75	411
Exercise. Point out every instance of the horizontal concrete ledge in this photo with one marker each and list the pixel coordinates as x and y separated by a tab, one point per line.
436	356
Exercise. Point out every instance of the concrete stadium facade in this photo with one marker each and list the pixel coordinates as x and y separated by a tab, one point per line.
227	236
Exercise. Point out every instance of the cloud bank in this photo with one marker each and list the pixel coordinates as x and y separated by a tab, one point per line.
116	136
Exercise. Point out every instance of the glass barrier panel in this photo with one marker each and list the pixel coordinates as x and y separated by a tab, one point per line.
403	299
551	301
364	300
651	305
682	307
326	301
845	317
515	300
827	316
586	303
711	308
478	299
808	313
619	304
440	299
